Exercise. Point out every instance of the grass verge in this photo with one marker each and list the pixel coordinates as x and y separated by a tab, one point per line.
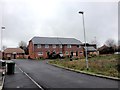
107	65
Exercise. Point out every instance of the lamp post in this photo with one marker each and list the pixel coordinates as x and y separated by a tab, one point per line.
2	28
81	12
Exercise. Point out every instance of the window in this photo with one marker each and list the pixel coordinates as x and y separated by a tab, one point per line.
60	46
54	46
68	46
66	53
40	53
54	51
79	46
46	46
38	46
81	52
60	52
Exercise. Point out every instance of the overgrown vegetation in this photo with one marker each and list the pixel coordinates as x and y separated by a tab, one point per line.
106	65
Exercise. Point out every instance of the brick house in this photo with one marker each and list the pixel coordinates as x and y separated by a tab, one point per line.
0	55
91	49
41	46
13	53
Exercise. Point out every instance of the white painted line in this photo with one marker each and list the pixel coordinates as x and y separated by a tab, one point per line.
31	78
1	87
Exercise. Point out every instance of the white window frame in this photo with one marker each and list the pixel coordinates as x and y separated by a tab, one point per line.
46	46
40	53
67	53
54	51
39	46
54	46
69	46
79	46
60	52
60	46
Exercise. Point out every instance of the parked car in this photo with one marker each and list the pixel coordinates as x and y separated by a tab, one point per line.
61	55
55	56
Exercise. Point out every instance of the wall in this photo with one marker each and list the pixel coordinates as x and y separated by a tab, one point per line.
33	52
30	49
0	55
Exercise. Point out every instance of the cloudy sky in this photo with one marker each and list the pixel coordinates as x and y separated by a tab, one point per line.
25	19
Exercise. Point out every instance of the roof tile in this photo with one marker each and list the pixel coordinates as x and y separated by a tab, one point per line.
55	40
12	50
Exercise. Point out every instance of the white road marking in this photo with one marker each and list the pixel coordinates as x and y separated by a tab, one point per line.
1	87
31	78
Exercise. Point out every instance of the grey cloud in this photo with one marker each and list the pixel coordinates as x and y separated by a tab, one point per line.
23	21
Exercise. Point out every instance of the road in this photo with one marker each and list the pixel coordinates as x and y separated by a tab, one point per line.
52	77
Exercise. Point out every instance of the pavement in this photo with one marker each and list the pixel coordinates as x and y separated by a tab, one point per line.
53	77
18	80
2	78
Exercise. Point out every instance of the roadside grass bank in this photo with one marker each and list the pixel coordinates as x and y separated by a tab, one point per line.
108	65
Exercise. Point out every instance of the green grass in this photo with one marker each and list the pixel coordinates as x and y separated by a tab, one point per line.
106	65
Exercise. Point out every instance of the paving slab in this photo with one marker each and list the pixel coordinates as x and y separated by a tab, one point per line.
18	80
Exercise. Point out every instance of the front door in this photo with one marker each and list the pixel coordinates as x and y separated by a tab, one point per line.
48	54
14	56
71	53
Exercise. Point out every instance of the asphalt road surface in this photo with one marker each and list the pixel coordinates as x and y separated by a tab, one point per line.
52	77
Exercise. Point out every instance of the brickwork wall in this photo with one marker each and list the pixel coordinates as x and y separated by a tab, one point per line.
33	50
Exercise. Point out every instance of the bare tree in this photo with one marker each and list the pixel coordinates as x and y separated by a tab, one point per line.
110	43
22	44
4	47
95	41
118	42
118	47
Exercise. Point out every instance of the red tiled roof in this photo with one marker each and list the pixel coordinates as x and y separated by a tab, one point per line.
12	50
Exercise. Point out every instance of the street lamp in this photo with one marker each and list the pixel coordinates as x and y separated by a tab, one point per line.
81	12
2	28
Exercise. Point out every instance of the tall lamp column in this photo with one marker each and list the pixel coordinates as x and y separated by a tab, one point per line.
81	12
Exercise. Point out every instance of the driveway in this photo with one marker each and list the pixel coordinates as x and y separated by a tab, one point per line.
52	77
